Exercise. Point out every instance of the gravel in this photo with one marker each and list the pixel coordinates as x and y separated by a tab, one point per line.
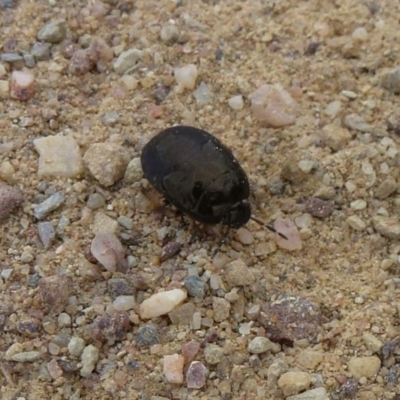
252	318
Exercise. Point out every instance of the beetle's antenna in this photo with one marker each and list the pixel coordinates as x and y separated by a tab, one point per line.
269	227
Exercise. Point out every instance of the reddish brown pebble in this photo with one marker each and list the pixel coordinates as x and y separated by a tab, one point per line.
196	375
23	85
10	198
190	350
291	318
319	208
170	250
110	327
80	63
54	291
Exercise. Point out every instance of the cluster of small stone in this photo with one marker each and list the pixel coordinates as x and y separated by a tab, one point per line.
221	292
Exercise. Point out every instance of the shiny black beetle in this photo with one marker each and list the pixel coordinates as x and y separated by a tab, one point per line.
200	176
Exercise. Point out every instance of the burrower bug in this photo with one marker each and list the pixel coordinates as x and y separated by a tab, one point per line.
199	175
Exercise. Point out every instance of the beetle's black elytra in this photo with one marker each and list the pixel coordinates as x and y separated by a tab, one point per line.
200	176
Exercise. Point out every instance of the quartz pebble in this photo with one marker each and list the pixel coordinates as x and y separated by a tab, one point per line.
237	273
333	108
273	105
10	198
387	226
287	228
109	252
186	76
23	85
59	156
43	209
364	366
26	356
46	233
173	368
169	33
107	162
386	188
89	358
203	94
196	375
356	222
127	60
236	102
124	303
261	345
54	291
294	382
358	205
161	303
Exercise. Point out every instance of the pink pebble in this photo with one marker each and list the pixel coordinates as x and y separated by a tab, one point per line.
288	228
196	375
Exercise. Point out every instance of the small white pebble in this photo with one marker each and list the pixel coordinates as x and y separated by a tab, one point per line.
306	165
173	368
124	303
359	300
161	303
273	105
349	94
333	108
186	76
358	204
236	102
245	328
360	33
303	221
356	222
350	186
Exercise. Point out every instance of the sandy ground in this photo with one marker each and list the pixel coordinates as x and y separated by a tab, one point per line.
332	56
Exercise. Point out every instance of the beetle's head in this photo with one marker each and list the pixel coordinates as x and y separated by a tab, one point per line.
238	214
